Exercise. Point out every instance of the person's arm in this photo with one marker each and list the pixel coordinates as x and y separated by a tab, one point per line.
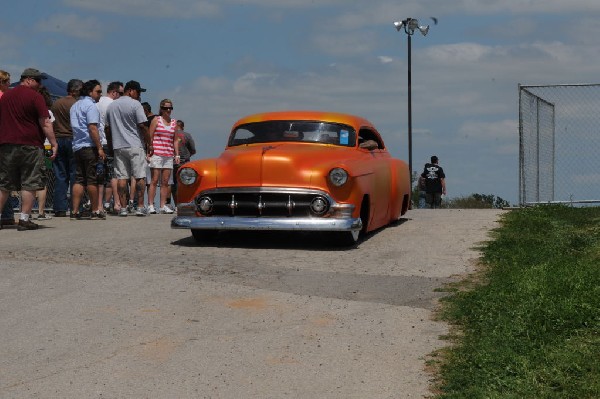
191	145
148	135
48	130
95	136
443	180
177	159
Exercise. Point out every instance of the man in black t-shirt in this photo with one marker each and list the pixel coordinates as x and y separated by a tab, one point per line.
435	183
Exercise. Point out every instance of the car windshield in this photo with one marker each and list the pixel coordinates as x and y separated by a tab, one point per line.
294	131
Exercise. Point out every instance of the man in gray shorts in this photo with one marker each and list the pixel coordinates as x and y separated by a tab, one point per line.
127	133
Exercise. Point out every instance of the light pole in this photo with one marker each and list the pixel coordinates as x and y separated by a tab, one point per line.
410	25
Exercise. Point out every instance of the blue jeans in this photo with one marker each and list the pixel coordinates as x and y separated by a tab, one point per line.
64	172
7	212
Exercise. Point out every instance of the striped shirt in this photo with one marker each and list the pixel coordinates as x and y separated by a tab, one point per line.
163	138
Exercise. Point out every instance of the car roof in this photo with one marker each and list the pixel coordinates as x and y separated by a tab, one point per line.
352	120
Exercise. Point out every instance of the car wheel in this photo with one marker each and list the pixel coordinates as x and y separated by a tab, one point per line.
203	236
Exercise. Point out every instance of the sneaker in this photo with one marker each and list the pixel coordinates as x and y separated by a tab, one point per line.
26	225
44	216
123	212
151	210
166	209
107	207
98	216
84	215
141	212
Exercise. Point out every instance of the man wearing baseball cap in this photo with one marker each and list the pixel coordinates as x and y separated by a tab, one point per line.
128	136
24	125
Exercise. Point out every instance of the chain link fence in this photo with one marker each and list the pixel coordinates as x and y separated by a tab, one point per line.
559	142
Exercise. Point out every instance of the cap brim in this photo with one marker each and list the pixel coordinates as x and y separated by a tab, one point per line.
142	90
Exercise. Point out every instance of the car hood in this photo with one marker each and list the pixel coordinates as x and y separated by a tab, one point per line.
278	164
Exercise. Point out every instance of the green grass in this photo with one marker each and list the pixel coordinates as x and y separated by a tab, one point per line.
528	326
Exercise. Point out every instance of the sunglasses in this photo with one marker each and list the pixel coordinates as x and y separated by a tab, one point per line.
38	80
167	108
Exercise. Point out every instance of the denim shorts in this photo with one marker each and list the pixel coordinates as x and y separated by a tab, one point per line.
21	167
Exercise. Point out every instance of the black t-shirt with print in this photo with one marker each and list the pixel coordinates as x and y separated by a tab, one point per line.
433	174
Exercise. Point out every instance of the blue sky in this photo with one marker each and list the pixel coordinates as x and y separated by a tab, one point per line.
219	60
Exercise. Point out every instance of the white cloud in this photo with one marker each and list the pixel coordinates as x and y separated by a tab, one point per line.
183	9
504	130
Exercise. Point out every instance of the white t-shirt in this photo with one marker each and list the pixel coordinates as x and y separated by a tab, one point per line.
102	105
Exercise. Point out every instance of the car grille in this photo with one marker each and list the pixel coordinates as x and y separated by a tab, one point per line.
263	204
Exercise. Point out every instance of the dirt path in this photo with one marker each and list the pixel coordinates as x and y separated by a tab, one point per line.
130	308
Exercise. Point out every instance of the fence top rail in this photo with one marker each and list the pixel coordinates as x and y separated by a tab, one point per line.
560	85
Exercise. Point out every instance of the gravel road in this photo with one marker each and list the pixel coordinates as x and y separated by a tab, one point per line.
129	308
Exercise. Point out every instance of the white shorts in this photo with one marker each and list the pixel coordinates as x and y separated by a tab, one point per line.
149	177
158	162
130	162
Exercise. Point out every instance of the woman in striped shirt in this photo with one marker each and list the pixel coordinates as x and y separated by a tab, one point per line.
162	130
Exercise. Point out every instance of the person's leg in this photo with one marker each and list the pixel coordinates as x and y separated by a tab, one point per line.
62	169
41	196
429	199
437	200
117	204
4	200
122	191
93	192
77	195
8	214
140	185
99	196
164	186
154	176
27	201
132	192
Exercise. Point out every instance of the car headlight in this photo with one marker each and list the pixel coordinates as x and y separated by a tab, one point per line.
188	176
338	177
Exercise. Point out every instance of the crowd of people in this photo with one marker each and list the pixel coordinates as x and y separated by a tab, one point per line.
105	152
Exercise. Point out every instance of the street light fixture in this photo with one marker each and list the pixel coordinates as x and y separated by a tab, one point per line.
410	25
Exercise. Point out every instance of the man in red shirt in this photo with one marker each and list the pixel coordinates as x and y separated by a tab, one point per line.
24	125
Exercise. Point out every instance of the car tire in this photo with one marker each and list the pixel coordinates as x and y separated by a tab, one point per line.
204	236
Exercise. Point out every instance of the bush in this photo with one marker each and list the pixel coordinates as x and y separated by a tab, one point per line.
476	201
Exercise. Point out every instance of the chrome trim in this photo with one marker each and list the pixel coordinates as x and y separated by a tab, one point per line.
290	205
263	223
274	190
261	205
338	217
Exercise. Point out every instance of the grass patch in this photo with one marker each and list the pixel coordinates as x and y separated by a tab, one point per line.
530	327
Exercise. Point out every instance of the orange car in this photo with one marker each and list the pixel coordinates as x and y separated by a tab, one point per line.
295	170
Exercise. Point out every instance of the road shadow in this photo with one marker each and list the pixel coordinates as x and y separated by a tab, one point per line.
292	240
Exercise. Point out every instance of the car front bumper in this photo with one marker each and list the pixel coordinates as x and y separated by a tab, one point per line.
187	219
